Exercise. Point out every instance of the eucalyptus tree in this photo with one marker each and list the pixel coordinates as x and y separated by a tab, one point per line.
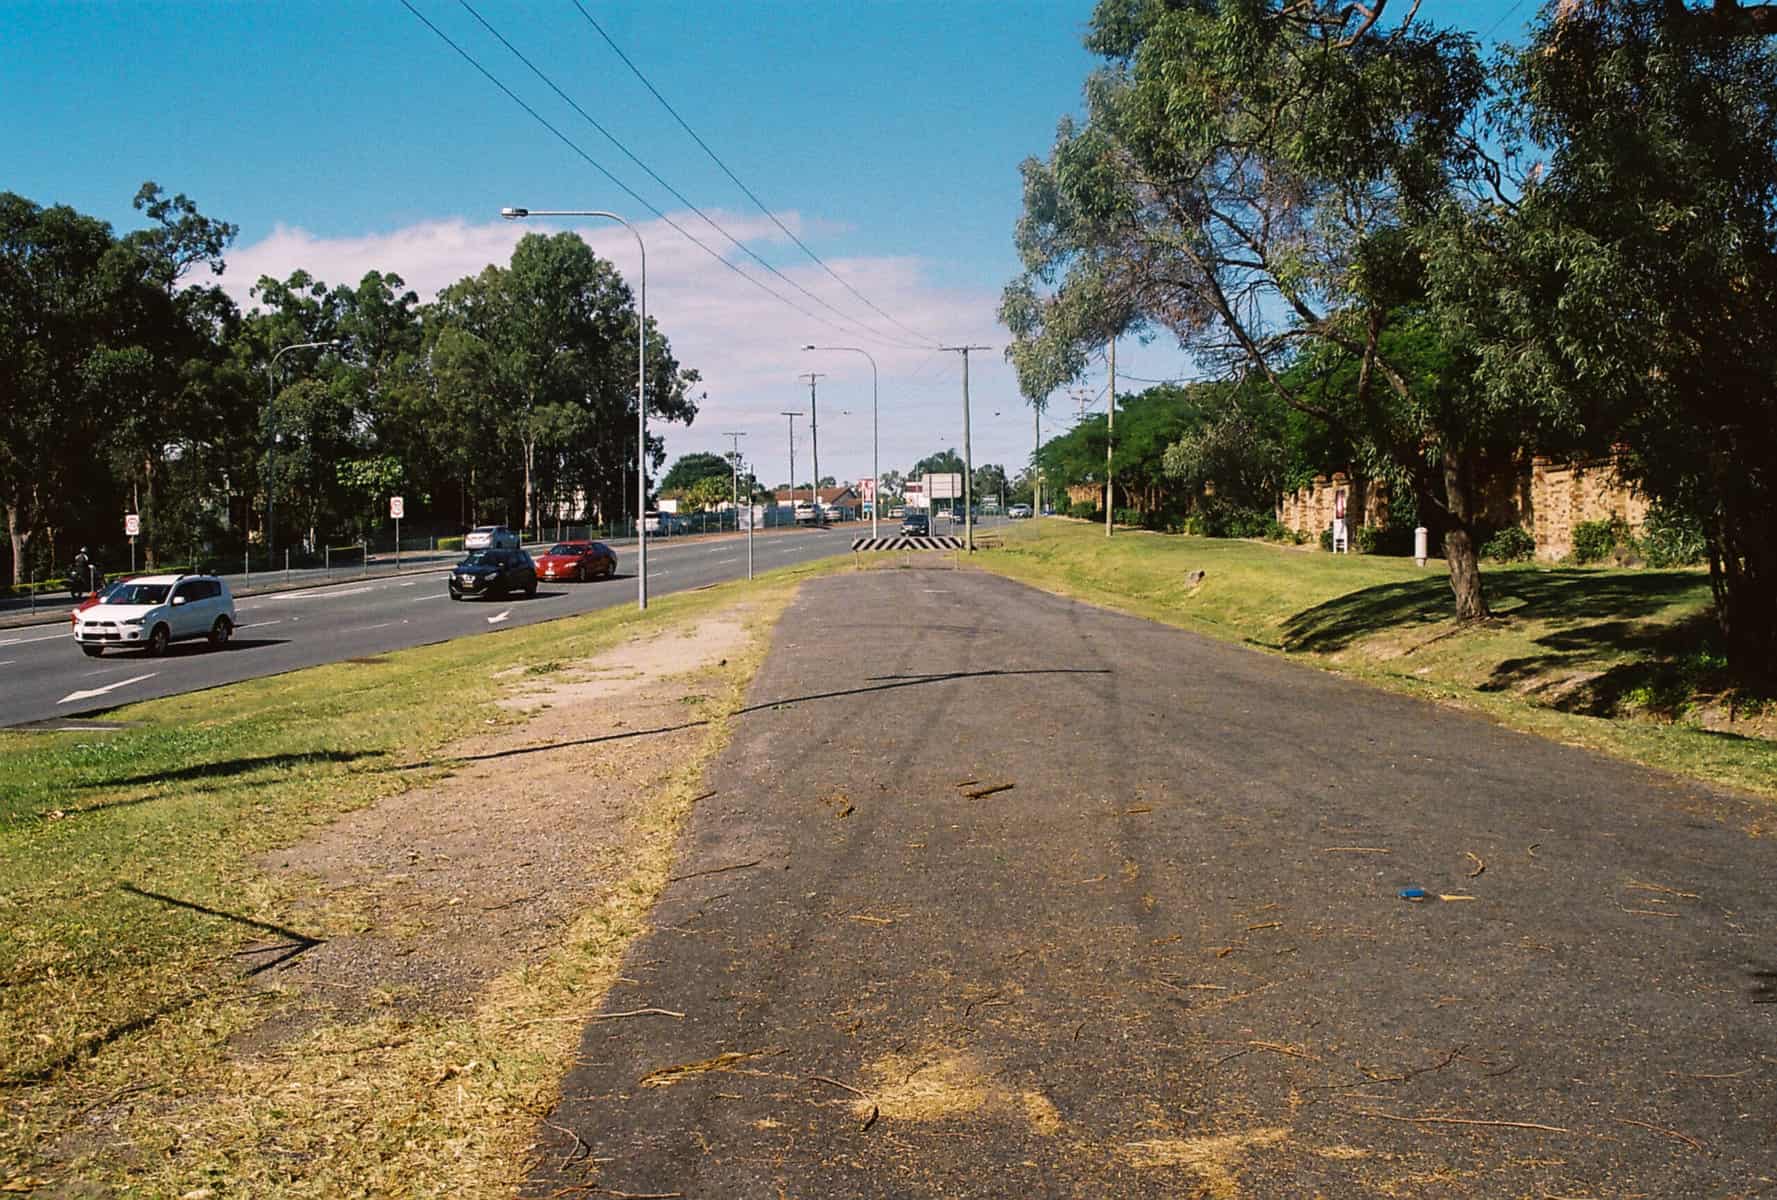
1634	277
1252	178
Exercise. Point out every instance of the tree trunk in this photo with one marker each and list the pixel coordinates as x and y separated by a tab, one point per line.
21	540
149	522
1459	540
1743	576
530	458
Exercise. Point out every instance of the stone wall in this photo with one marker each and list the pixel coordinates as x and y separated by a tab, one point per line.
1563	494
1542	496
1308	510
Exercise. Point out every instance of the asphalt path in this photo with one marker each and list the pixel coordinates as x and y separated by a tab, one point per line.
996	894
45	677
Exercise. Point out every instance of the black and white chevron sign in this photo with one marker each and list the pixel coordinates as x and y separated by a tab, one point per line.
859	545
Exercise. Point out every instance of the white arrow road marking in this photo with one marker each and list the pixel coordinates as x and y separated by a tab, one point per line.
110	687
498	619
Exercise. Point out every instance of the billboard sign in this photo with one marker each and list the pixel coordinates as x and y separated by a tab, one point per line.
945	487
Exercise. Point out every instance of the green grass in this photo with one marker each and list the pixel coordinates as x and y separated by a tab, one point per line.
1616	660
126	858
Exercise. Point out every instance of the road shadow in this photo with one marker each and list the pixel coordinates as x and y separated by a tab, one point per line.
877	683
190	649
1564	596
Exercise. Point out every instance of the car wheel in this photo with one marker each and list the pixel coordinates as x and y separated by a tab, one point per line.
158	639
92	651
530	589
580	573
220	632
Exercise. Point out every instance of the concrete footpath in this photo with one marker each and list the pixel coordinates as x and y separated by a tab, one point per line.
999	895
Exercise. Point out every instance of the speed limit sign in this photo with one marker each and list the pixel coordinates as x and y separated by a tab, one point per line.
396	508
132	524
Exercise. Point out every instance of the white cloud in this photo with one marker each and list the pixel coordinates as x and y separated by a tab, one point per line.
746	343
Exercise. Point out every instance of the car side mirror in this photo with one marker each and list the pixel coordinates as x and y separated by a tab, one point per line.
178	600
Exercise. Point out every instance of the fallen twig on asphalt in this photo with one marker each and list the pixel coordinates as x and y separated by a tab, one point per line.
1355	850
1370	1112
579	1141
1648	912
1686	1138
638	1012
667	1076
846	1086
1655	887
990	789
1480	865
714	870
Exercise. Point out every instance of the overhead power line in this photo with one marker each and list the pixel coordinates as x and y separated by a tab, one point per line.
652	174
618	183
618	51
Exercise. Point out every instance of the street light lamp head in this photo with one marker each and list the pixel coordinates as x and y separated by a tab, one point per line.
808	347
515	214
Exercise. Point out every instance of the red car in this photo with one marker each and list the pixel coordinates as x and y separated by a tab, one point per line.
578	561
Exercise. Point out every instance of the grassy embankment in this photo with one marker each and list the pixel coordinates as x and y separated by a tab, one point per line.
128	890
1613	660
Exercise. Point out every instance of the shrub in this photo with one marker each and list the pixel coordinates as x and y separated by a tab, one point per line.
1596	541
1510	544
1364	539
1129	516
450	543
1672	539
1326	539
1278	532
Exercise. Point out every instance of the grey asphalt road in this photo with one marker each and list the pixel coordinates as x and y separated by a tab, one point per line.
44	676
997	894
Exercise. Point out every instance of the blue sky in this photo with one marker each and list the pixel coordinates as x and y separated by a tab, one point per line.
346	137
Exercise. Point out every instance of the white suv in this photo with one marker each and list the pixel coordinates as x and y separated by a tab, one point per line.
153	611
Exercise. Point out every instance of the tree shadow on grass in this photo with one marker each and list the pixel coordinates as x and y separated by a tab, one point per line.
228	768
1564	597
293	944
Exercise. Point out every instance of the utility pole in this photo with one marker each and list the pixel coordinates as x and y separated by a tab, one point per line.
814	448
968	454
1110	424
1036	471
792	416
734	461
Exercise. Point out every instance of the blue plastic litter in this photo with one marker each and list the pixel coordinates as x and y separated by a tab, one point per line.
1414	893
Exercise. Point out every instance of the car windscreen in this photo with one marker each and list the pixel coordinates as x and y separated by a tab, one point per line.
140	593
484	558
568	549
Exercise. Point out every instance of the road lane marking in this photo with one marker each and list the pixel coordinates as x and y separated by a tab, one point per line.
501	617
27	641
321	595
368	628
110	687
722	562
411	583
260	624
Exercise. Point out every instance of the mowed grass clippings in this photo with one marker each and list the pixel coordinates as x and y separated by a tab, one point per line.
131	913
1612	660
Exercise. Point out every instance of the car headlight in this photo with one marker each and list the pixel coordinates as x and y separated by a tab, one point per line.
131	620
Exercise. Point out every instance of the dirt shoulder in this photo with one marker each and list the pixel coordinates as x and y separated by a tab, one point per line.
1000	894
411	1013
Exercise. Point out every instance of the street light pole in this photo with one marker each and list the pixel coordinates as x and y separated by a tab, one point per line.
271	462
875	459
814	449
968	455
734	461
519	214
792	416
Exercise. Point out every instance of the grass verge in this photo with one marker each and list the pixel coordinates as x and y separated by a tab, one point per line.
1618	661
127	890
